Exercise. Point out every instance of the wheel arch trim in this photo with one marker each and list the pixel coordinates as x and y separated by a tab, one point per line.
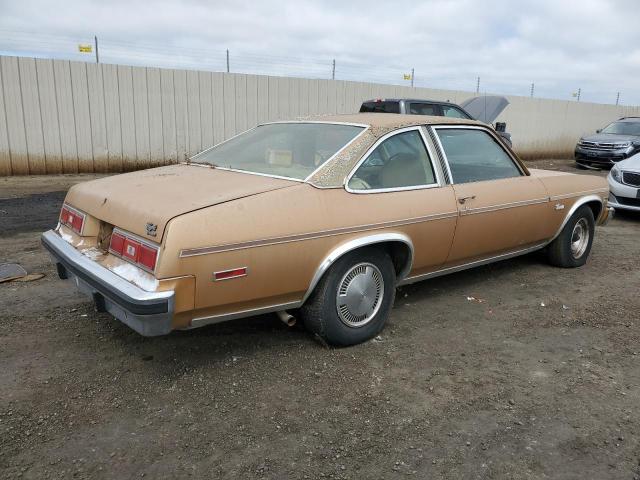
354	244
577	204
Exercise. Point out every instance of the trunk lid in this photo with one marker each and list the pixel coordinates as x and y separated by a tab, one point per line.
155	196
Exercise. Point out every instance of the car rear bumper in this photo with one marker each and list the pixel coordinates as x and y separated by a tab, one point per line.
148	313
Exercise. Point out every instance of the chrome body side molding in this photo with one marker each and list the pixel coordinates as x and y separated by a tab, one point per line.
503	206
475	263
191	252
223	317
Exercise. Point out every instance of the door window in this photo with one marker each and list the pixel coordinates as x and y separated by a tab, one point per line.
398	162
453	112
424	109
474	155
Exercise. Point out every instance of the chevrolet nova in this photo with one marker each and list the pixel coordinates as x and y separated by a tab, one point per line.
322	217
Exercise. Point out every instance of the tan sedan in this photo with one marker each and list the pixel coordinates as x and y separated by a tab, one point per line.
322	218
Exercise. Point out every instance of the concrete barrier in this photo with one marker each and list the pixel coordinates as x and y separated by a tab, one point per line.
58	116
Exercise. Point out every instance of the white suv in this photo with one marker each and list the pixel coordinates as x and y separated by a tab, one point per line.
624	184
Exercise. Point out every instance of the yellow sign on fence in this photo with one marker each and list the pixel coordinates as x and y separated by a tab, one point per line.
407	76
85	48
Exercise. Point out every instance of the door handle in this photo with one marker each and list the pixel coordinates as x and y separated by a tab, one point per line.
462	200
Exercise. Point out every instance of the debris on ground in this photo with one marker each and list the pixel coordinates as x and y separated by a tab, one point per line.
11	271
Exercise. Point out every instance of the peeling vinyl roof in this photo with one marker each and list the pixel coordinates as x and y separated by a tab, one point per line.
333	172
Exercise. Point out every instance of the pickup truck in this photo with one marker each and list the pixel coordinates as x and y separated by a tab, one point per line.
485	108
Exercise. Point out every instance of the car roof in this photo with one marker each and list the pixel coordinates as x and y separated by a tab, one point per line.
386	122
629	119
438	102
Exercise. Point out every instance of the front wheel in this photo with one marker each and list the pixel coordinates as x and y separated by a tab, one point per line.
352	301
571	248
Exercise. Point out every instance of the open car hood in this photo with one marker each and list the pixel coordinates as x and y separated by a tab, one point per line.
485	108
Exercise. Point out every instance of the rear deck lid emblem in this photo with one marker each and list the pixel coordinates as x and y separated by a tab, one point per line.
152	229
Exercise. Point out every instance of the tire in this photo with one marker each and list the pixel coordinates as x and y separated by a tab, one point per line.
571	248
357	317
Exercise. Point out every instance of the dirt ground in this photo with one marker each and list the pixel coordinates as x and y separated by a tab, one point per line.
515	370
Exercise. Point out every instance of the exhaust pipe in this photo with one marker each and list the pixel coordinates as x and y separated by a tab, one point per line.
286	318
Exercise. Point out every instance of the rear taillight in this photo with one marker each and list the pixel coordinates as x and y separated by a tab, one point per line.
117	243
134	250
72	218
147	257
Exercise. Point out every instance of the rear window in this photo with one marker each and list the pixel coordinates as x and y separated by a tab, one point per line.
380	107
291	149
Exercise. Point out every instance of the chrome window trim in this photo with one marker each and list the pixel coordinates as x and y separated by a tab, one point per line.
493	136
436	171
446	173
269	175
193	159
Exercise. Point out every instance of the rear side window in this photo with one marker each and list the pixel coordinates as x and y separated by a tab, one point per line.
453	112
380	107
424	109
474	156
400	161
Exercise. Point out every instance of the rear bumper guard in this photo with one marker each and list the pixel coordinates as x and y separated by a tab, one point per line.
148	313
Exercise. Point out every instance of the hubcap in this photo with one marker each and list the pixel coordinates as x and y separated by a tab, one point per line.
579	238
360	294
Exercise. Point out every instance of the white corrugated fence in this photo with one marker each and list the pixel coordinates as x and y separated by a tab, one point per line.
59	116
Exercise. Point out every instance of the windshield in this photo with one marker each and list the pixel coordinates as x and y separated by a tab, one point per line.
622	128
292	150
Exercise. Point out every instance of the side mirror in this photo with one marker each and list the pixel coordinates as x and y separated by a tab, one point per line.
501	127
598	130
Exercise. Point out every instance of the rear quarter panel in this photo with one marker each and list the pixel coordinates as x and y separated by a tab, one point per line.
281	270
568	188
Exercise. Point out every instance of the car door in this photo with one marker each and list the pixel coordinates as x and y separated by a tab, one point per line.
501	208
398	178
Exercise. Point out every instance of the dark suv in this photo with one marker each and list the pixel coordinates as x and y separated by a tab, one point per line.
615	142
485	108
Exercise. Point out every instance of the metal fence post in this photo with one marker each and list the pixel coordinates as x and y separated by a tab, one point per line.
412	74
579	92
533	85
478	85
227	60
95	39
618	98
333	69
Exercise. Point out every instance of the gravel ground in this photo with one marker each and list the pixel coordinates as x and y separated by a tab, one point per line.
514	370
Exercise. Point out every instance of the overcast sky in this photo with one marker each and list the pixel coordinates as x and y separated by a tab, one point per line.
561	45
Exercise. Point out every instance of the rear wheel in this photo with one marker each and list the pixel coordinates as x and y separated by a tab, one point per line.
353	299
572	247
